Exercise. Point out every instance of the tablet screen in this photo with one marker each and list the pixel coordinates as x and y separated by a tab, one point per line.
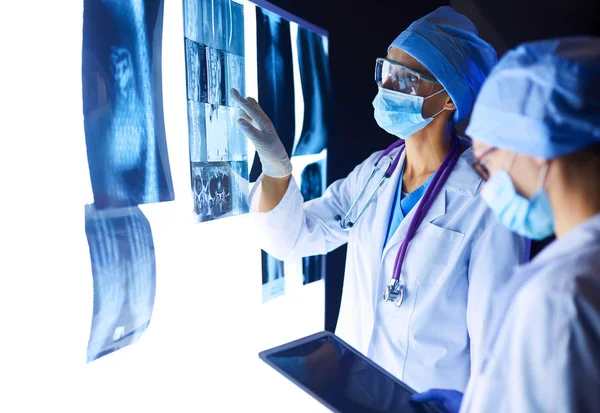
340	377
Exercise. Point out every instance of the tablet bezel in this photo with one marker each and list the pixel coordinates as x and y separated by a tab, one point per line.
264	355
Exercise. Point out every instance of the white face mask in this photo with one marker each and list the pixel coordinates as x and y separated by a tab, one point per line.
401	114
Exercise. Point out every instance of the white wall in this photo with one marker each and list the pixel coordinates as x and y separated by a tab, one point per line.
208	323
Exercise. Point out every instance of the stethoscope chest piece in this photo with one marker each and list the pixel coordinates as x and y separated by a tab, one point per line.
394	293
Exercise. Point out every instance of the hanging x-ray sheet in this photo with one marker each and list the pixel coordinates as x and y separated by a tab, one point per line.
310	173
294	90
273	282
316	92
294	86
124	275
122	102
312	182
214	54
275	78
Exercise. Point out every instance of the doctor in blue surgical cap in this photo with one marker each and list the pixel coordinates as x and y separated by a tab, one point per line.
536	127
425	254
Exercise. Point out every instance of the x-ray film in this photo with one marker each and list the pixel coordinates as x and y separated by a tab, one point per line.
275	78
316	92
122	103
214	54
312	185
220	189
124	277
294	90
310	173
294	84
273	282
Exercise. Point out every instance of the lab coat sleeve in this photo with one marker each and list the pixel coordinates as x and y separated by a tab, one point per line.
579	376
295	228
494	258
547	357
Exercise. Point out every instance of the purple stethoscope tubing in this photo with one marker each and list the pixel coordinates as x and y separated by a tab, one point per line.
434	188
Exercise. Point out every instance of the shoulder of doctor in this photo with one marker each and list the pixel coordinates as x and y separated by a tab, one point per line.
364	169
565	307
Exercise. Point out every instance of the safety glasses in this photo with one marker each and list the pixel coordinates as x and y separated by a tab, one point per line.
398	77
480	167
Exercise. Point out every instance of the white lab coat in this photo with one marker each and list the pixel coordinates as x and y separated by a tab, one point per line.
458	258
543	348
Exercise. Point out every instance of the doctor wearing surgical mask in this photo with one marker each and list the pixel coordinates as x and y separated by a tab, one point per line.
425	254
536	131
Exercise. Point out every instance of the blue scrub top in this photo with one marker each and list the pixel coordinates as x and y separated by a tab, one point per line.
403	204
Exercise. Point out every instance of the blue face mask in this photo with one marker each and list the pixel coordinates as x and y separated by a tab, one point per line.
532	218
399	113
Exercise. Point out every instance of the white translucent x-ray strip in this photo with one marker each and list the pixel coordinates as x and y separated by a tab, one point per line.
290	17
298	94
230	25
251	62
301	162
151	185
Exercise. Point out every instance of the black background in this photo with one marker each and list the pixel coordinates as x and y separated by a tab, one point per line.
361	31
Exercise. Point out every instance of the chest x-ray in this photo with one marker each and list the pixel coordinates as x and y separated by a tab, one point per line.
214	53
122	103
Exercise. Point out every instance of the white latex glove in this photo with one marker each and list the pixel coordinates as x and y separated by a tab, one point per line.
257	127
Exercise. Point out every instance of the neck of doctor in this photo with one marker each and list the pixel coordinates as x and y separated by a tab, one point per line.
574	192
426	149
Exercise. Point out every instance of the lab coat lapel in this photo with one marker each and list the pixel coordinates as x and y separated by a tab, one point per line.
438	208
385	200
461	180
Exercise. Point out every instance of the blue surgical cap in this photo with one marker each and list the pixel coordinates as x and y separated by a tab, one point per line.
447	44
542	99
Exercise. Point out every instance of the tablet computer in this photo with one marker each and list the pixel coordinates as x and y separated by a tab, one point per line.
340	377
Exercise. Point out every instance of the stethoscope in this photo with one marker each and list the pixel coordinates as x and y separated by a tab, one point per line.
395	291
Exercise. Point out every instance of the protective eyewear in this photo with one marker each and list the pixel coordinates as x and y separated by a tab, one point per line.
480	167
399	77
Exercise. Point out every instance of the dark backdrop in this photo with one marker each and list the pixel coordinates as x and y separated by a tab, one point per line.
360	31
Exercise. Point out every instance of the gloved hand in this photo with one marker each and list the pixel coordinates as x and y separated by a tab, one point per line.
257	127
296	366
448	400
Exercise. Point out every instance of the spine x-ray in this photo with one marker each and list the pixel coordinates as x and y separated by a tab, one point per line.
122	102
214	57
124	277
128	163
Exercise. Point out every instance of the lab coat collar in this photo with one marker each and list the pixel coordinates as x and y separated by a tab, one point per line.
588	233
